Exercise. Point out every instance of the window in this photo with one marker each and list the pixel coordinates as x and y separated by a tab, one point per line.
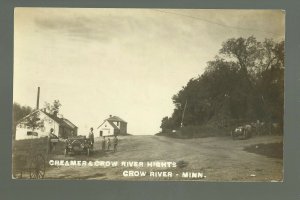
32	133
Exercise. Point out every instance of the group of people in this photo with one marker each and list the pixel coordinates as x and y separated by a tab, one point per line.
106	144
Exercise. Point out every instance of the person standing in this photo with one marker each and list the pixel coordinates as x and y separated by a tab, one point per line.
51	145
115	143
108	143
103	143
91	136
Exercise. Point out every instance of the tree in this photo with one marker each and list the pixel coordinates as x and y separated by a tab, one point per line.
248	53
258	62
29	117
244	82
165	124
33	121
19	112
53	108
270	84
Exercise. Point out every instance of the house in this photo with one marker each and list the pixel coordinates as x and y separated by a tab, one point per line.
62	127
113	125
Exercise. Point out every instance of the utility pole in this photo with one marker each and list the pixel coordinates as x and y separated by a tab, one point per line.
181	125
38	99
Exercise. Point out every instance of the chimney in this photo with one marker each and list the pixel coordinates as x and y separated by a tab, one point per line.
38	99
110	115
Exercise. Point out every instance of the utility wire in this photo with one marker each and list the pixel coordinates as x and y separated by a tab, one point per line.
216	23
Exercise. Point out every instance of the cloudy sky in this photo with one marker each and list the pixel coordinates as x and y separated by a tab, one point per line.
124	62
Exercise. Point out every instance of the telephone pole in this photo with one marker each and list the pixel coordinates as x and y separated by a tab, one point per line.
181	125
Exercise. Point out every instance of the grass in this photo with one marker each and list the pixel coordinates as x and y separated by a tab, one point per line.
272	150
36	146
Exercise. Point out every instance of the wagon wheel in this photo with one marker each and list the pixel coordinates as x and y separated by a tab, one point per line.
37	167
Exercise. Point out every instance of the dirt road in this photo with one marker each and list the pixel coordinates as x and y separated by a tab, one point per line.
218	158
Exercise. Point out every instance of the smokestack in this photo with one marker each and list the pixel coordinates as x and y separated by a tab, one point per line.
38	99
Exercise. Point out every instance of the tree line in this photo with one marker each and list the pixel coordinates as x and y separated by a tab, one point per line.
245	81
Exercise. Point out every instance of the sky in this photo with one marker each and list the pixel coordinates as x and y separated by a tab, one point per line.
125	62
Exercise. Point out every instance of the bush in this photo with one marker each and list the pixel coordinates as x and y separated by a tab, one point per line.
195	132
201	131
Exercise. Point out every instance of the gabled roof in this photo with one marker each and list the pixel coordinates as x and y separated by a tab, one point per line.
20	120
112	119
113	125
115	119
55	118
69	123
110	122
61	121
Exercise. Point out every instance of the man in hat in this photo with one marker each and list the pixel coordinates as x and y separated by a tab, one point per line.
51	136
115	143
91	136
103	143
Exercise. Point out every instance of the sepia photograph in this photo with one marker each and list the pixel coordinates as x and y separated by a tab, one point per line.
148	94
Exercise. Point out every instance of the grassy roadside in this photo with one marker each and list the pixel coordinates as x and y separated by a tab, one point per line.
271	150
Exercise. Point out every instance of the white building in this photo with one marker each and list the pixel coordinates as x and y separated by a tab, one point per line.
62	127
113	125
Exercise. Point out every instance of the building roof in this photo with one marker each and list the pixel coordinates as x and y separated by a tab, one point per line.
112	119
115	119
61	121
69	123
110	122
113	125
55	118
